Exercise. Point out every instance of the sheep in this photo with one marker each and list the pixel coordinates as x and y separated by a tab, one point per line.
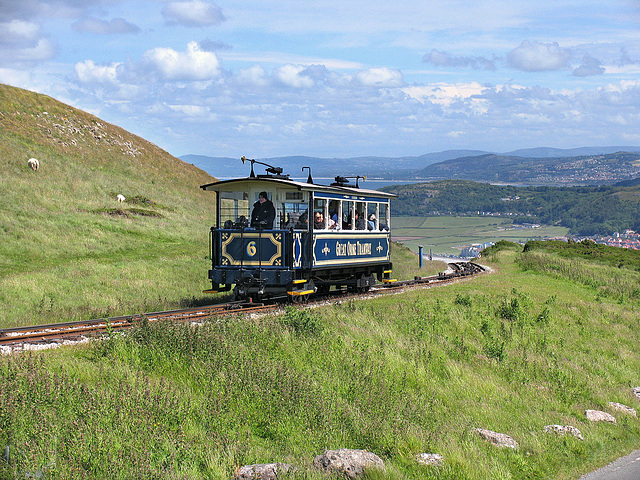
120	198
33	163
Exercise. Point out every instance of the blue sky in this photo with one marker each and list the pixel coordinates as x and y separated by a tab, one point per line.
336	78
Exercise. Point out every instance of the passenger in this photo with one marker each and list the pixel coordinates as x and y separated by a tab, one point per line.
346	225
303	221
318	221
334	224
371	224
264	213
360	224
291	221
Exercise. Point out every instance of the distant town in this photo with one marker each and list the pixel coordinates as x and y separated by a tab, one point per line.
628	239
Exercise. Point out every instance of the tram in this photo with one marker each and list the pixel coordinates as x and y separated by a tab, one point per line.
276	236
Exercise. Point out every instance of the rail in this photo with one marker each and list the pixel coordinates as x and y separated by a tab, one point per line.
29	337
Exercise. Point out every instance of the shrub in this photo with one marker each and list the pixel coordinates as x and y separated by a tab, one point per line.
302	321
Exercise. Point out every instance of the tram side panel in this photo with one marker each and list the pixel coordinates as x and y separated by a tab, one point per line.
355	256
251	257
271	261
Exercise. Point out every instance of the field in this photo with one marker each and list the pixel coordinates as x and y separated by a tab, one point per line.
529	345
446	234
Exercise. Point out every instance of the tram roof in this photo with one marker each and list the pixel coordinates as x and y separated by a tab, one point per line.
241	184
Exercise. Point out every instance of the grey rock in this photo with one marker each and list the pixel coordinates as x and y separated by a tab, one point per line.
261	471
563	430
498	439
599	416
636	392
348	462
433	459
623	408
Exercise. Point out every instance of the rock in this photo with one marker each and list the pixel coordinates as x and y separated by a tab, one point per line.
636	392
563	430
498	439
598	416
345	461
261	471
623	408
432	459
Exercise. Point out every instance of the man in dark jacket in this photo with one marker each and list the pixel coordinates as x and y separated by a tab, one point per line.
263	213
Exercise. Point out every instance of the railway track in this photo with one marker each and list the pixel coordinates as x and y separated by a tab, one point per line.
46	336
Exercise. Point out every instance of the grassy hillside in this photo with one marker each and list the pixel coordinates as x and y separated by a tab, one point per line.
68	249
512	351
582	210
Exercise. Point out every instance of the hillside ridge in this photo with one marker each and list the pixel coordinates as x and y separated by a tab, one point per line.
69	248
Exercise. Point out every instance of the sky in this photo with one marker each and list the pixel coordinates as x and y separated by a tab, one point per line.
336	78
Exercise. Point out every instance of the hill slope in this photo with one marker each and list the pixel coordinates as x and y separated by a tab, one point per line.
583	210
537	342
580	170
66	241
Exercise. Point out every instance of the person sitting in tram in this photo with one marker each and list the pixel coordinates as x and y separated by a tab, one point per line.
264	213
318	221
371	223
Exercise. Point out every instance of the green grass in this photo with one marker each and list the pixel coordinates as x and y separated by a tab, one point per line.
406	264
534	343
68	249
445	234
398	375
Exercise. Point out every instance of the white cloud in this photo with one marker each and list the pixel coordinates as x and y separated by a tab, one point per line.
103	27
590	66
194	64
18	31
444	59
89	72
189	110
193	14
380	77
538	57
443	93
11	76
254	75
21	41
42	50
292	76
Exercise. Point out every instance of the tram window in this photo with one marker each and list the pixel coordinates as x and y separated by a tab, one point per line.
233	205
293	195
294	215
383	221
361	223
347	215
372	216
319	221
335	214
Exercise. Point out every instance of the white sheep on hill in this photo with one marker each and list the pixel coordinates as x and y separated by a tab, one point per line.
120	198
33	163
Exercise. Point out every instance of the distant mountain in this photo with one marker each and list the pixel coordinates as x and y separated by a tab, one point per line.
384	167
542	152
410	168
579	170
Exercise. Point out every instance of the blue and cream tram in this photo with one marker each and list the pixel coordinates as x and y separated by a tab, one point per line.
322	236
